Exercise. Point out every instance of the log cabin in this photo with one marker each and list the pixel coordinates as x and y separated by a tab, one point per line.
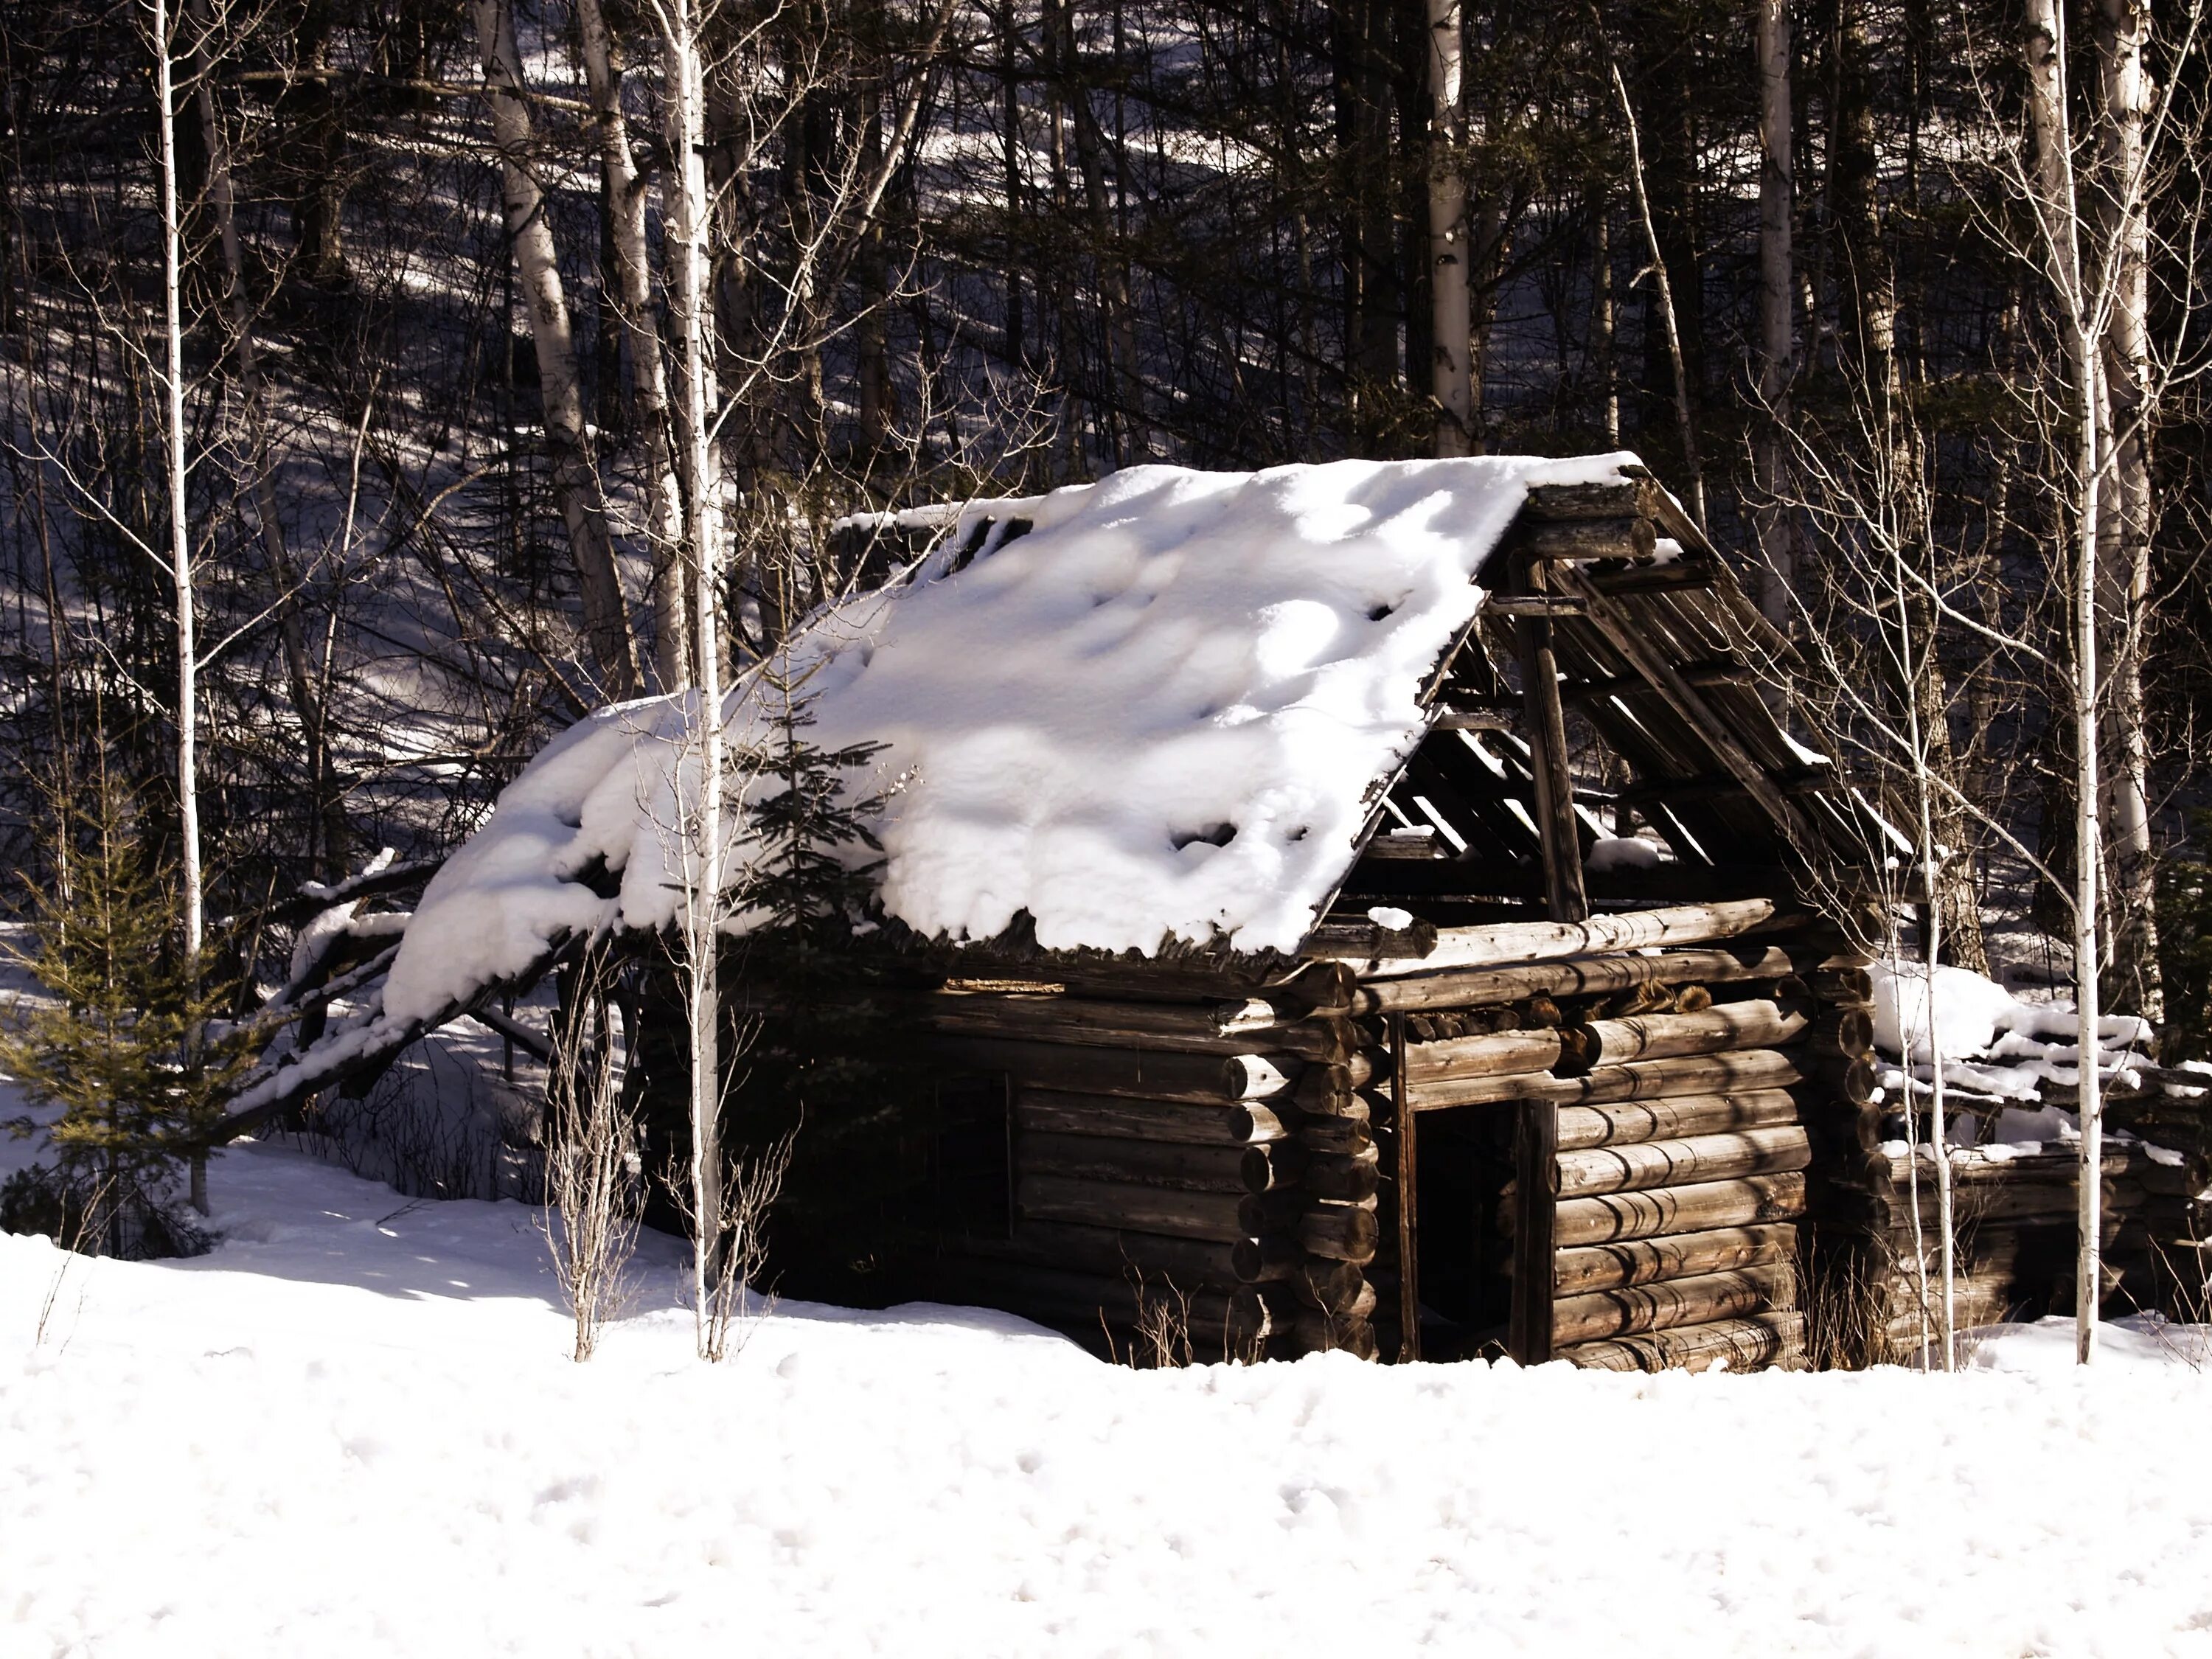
1365	908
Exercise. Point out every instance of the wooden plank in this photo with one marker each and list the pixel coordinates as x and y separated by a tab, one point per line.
1475	987
1646	1164
1621	633
1546	731
1403	1128
1677	1255
1744	1203
1505	944
1630	1310
1616	537
1630	1122
1535	1232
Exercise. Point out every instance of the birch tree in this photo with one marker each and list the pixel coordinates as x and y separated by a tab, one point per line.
576	482
1451	375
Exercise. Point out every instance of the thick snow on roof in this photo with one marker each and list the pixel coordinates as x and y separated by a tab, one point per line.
1157	713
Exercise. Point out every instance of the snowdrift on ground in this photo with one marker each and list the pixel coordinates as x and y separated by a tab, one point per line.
1155	713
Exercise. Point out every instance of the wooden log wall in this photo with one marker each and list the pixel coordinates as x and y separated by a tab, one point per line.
1208	1161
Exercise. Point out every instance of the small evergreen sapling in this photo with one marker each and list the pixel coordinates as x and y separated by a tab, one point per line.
822	1066
132	1047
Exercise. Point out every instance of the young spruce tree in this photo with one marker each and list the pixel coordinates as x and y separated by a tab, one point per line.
128	1040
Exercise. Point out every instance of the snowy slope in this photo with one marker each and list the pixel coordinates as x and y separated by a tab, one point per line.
352	1431
1155	714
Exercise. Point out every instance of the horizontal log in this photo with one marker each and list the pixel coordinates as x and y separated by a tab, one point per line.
1345	1180
1677	1255
1629	498
1842	987
1336	1287
1147	1074
1702	1158
1613	1216
1252	1260
1640	1079
1633	1310
1744	1344
1589	539
1065	1293
1060	1112
1630	1121
1083	1022
1729	1025
1344	1136
1505	943
1137	1208
1157	1258
1469	988
1502	1054
1197	1169
1342	1232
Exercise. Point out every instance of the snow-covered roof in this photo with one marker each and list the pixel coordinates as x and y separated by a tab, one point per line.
1158	711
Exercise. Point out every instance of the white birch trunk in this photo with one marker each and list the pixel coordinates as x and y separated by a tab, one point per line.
1776	346
192	900
575	473
2123	29
2059	215
690	216
1451	378
648	376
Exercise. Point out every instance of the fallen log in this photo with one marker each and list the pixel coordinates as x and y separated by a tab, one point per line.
1700	1158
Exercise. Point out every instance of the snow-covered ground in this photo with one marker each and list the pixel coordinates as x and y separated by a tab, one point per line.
353	1429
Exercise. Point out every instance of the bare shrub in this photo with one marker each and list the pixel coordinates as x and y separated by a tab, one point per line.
730	1305
593	1191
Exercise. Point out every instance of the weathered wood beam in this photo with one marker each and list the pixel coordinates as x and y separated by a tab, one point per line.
1501	944
1475	987
1621	633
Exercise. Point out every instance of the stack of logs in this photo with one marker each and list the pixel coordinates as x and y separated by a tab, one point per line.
1223	1158
1209	1156
1660	1148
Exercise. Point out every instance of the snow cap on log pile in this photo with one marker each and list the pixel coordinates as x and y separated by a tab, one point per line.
1157	712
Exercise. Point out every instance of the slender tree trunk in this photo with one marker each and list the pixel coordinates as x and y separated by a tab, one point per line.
690	218
2059	231
1108	256
1683	419
189	880
237	316
2123	27
1451	379
576	482
625	192
1776	353
1603	351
